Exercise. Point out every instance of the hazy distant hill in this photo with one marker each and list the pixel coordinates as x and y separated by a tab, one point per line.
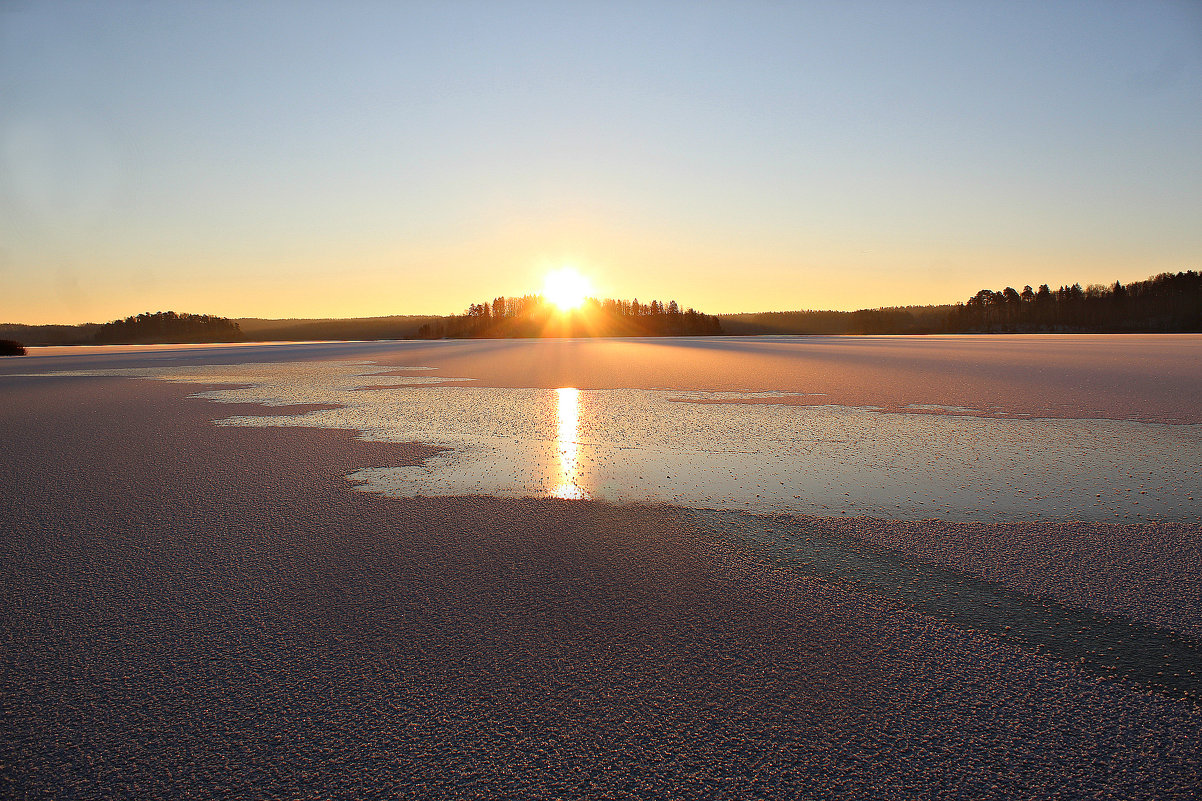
895	320
395	327
82	334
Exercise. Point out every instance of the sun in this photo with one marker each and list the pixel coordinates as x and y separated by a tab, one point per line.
566	288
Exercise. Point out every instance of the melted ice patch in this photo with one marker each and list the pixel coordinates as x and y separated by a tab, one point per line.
646	446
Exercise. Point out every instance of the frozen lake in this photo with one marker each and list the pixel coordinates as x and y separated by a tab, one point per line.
900	567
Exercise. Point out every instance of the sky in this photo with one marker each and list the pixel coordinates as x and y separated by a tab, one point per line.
292	159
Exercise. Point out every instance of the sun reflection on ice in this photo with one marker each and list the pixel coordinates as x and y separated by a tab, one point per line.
567	443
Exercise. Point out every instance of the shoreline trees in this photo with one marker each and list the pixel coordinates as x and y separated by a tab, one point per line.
168	327
1165	303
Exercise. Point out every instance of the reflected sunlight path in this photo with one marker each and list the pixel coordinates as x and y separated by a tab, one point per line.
567	443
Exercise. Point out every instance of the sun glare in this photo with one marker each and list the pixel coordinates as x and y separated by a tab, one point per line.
566	288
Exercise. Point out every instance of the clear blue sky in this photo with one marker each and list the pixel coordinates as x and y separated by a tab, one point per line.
350	159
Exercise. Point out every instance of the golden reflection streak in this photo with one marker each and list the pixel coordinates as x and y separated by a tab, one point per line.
567	443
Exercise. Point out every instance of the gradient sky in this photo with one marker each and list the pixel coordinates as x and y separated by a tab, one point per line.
285	159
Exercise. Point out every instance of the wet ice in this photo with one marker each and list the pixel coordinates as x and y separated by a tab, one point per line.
709	450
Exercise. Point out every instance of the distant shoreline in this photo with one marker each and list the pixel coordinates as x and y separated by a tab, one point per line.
83	349
1169	303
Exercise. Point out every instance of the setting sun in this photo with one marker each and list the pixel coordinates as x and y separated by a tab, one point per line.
566	288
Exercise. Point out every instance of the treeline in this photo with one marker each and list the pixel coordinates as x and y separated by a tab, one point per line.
1166	302
168	327
1169	302
533	316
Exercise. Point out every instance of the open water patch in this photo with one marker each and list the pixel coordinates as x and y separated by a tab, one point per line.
647	446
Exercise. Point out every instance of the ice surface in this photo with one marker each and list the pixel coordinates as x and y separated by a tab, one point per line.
222	590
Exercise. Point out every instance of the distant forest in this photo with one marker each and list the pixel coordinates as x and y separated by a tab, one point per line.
532	316
1169	302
